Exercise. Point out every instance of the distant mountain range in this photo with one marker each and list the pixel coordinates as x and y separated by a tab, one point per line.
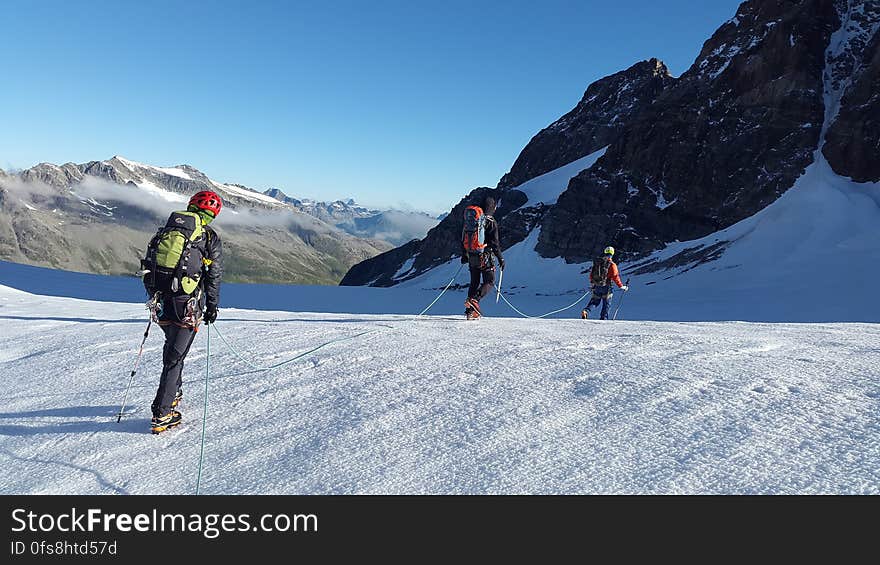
98	216
394	226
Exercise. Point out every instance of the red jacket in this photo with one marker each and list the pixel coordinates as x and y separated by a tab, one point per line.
613	275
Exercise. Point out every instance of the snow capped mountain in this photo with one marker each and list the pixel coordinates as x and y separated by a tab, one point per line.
98	217
394	226
769	141
174	184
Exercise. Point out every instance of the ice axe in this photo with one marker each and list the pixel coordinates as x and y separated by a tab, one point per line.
500	278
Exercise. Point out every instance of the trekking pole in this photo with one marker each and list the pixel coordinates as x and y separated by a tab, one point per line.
133	371
620	301
500	278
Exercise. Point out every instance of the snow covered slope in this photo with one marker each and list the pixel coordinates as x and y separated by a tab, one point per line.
811	256
148	176
539	407
546	188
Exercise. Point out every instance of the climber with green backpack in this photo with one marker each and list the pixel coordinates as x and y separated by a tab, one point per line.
181	274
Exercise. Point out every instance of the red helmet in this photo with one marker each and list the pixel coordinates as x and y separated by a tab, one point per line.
207	200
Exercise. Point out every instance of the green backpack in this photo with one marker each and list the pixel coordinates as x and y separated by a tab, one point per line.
167	263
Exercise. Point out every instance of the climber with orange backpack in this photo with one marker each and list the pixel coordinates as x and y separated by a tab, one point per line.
480	245
603	273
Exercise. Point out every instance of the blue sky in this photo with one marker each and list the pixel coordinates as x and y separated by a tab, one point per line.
407	104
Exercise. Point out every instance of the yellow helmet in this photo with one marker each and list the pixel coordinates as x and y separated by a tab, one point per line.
609	250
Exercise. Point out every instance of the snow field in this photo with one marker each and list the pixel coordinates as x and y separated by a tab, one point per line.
441	405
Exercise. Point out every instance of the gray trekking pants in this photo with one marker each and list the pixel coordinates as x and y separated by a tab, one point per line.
178	340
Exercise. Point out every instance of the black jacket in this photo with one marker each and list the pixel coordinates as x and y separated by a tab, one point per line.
213	272
493	239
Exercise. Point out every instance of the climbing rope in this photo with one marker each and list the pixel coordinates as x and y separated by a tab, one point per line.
205	409
524	315
255	368
503	297
422	313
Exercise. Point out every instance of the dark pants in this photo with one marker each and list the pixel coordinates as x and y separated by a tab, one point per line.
477	291
601	294
177	343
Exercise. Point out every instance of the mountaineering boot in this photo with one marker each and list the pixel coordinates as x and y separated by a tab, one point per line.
476	305
469	311
161	423
472	310
585	314
177	398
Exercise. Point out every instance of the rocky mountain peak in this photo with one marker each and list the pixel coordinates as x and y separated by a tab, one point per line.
277	194
602	113
656	67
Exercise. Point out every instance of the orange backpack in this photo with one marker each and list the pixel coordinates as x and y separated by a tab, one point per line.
474	233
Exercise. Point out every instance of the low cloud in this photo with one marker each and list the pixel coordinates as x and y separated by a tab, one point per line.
395	226
158	203
14	185
283	218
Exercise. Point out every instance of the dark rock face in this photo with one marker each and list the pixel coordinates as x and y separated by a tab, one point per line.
605	110
380	270
726	140
853	141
